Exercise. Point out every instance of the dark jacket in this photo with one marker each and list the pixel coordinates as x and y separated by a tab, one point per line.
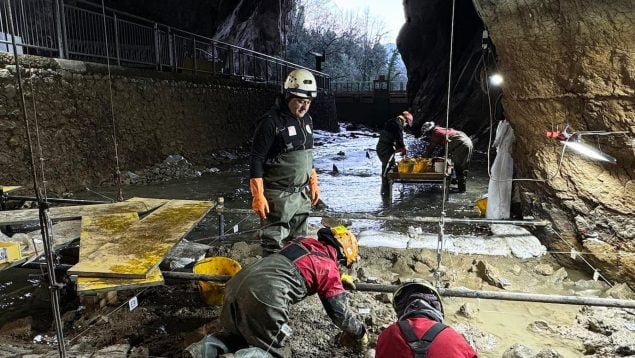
392	134
278	131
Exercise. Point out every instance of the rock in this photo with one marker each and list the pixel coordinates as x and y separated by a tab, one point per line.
559	276
489	274
401	264
468	310
139	352
548	353
516	269
116	350
20	328
361	274
620	291
183	254
541	327
544	269
420	267
384	297
519	351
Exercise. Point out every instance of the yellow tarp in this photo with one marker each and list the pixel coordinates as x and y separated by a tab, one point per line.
9	188
145	243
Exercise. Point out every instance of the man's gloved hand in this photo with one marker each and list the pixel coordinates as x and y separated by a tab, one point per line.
348	281
402	150
259	202
313	187
360	344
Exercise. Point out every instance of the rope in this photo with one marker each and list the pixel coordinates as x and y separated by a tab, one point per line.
112	108
445	180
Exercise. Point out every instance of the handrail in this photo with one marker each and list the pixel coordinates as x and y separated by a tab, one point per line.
75	32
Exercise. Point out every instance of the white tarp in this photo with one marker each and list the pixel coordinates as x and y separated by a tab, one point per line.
499	192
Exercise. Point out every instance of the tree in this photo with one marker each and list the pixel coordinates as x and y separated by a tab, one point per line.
350	42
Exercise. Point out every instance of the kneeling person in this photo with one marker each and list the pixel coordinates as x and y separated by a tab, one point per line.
419	331
257	299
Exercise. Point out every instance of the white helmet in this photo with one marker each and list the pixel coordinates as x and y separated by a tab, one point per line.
301	83
427	127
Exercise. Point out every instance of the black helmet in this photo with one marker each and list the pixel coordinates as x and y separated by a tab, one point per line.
408	291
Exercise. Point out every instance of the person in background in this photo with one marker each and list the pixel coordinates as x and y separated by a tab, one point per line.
283	182
391	142
419	331
257	299
459	148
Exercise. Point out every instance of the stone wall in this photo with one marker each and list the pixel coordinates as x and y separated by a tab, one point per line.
155	115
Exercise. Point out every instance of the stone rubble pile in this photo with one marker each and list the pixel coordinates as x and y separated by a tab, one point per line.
173	167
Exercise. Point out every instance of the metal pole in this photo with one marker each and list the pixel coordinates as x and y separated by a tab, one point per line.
452	292
157	55
220	206
57	200
116	28
59	15
446	292
45	220
194	54
417	219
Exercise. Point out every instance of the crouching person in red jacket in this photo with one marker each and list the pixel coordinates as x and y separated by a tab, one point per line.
257	299
419	331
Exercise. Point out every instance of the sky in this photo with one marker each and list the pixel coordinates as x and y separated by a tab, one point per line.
389	11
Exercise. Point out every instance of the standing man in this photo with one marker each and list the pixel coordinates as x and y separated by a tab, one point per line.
419	331
391	142
257	299
459	148
282	180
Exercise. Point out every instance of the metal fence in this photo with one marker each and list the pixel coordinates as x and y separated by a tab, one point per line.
75	30
368	86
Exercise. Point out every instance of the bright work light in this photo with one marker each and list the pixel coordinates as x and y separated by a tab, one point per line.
496	79
588	151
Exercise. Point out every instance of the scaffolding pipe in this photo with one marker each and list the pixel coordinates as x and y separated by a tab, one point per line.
452	292
446	292
417	219
57	200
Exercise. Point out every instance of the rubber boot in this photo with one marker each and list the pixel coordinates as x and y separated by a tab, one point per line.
460	181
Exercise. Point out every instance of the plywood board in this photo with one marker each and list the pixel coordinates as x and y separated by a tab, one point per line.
9	188
94	285
98	231
143	246
59	213
151	203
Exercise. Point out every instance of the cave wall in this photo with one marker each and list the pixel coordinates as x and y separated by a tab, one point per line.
156	114
572	62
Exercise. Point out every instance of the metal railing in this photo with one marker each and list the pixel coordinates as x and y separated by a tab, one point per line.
75	30
367	86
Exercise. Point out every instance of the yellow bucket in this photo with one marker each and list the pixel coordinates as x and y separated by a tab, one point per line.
421	165
481	204
213	292
405	165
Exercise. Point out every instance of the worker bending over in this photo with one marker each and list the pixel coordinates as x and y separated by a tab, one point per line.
257	299
459	148
419	331
391	142
283	181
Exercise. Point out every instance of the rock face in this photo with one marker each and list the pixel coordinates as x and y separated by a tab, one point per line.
564	63
571	62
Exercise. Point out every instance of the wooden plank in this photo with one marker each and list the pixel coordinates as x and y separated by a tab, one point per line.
9	188
94	285
143	246
60	213
151	203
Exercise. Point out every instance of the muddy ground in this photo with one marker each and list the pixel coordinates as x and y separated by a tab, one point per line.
171	317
